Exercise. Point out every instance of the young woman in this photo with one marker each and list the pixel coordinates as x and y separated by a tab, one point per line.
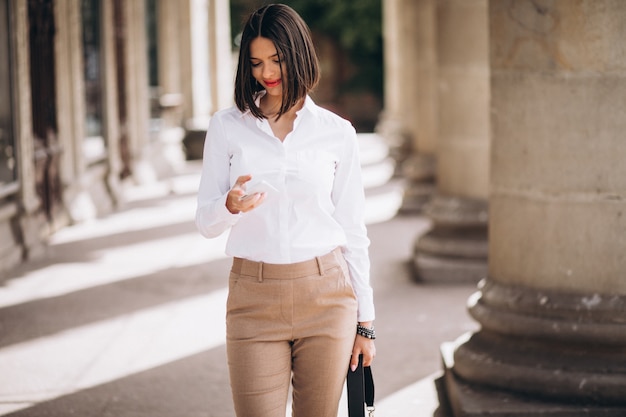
300	306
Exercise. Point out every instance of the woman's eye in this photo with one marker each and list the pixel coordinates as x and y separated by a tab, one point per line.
255	64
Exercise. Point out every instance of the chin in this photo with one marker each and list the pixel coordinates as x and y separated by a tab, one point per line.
274	91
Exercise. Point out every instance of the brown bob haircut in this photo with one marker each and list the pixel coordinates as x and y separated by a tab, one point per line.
292	39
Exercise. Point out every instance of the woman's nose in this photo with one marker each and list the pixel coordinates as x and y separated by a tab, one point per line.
268	72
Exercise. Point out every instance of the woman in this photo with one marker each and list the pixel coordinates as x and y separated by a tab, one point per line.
299	284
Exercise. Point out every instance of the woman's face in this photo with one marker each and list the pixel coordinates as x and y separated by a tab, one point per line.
266	66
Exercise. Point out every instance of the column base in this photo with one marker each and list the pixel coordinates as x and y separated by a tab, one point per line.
416	196
34	230
542	352
448	270
458	398
11	250
396	137
419	171
193	144
455	249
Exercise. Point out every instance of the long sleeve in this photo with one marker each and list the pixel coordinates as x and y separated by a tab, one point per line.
212	216
349	199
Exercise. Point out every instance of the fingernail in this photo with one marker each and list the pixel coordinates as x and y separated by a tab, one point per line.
353	368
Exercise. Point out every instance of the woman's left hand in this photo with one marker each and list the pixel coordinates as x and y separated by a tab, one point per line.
365	346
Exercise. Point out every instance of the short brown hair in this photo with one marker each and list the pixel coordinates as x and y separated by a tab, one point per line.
292	39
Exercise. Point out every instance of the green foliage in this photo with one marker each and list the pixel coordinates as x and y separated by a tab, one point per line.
356	26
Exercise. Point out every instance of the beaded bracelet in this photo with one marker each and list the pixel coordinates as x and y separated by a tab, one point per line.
365	332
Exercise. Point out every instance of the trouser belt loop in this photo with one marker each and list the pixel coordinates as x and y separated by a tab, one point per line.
260	277
320	264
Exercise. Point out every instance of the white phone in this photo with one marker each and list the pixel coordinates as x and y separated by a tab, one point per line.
260	187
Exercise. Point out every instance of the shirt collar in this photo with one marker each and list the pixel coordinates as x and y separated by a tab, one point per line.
309	104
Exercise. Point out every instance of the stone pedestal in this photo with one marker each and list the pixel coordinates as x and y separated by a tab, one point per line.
552	312
539	352
419	171
456	247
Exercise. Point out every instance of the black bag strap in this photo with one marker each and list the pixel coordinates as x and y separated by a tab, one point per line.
360	387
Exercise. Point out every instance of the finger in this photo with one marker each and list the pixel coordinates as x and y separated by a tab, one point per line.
367	359
233	201
238	188
368	356
242	179
251	202
354	360
238	192
234	197
354	363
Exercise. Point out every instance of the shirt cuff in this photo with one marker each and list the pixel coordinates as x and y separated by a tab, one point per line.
366	310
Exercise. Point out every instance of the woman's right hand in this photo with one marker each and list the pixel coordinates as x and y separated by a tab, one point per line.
235	202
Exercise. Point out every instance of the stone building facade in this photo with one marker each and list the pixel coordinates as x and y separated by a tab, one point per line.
94	94
528	196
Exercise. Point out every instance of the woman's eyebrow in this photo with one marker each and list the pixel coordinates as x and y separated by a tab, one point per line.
271	56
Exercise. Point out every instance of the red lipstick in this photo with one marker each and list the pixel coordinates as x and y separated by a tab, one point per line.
272	83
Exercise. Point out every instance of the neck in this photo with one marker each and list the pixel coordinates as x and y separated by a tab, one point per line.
271	107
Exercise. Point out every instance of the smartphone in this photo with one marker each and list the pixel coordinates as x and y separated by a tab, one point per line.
260	187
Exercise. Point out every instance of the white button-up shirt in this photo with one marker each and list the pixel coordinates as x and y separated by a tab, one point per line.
319	199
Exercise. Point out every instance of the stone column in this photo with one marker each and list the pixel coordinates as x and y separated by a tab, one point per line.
110	98
456	247
32	222
71	110
398	34
194	62
221	74
164	156
68	73
137	84
172	44
420	167
23	121
209	86
409	123
552	312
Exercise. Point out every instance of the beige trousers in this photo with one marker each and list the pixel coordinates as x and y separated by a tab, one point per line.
289	322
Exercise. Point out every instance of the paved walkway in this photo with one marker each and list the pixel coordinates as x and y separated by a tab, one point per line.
125	315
